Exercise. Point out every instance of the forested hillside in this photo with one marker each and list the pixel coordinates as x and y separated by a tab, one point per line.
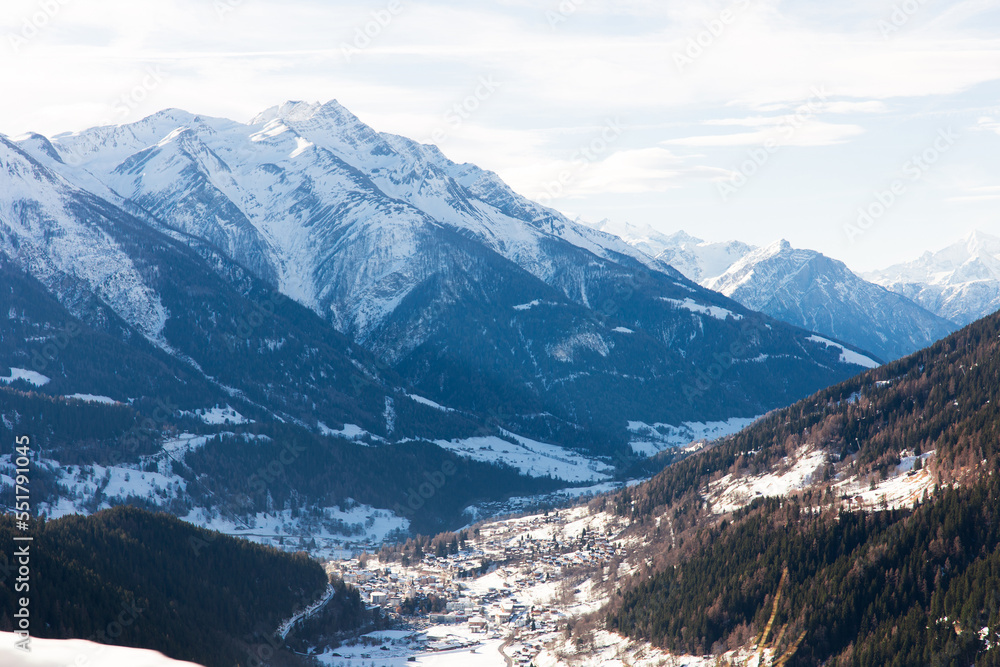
915	585
905	587
944	399
129	577
226	474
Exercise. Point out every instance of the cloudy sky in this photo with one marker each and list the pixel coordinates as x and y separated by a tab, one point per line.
867	129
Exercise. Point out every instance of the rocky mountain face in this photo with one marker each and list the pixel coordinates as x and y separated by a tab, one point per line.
109	304
800	287
960	283
420	274
815	292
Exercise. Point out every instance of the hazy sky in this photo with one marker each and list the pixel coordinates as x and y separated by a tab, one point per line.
752	119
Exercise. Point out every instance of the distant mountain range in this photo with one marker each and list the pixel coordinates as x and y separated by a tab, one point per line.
697	259
811	290
960	283
801	287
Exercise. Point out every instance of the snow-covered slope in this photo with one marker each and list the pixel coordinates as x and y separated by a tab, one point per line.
62	236
291	195
806	288
62	652
960	283
108	304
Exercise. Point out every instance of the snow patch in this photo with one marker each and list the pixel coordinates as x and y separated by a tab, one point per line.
695	307
531	457
93	398
846	356
31	377
651	439
729	494
429	403
219	415
566	349
349	432
62	652
900	490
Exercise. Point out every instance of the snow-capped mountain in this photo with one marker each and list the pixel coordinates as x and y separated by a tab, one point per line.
290	196
800	287
151	317
498	310
960	283
806	288
695	258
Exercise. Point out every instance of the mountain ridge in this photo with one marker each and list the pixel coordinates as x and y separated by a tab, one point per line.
960	282
394	245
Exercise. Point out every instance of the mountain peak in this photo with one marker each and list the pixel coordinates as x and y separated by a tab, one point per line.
980	243
39	143
775	248
682	236
297	110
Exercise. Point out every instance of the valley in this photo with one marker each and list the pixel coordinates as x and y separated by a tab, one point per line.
292	386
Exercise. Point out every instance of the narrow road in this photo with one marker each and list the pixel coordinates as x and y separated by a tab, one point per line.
507	642
316	606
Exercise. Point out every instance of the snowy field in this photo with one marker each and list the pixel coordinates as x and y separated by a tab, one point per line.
701	309
729	494
651	439
31	377
93	398
531	457
77	652
904	486
901	488
219	415
408	648
846	356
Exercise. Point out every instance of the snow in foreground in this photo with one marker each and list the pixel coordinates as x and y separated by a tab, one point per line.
70	652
